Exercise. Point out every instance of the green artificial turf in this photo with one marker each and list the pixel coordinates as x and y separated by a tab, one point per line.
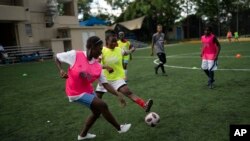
35	107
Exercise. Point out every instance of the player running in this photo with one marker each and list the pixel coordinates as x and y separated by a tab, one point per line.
83	70
209	53
113	70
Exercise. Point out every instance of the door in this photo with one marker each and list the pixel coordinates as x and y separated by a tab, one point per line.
178	33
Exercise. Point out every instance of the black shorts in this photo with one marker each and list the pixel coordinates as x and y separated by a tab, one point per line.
162	57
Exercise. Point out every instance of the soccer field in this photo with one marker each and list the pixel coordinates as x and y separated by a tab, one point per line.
35	107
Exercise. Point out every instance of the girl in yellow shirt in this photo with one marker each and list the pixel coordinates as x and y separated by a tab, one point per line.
113	71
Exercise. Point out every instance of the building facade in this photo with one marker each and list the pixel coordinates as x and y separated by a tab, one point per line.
37	23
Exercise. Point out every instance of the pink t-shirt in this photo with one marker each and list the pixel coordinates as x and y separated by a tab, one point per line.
209	48
75	84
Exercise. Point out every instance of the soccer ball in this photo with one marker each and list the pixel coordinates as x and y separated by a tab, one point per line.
237	56
152	119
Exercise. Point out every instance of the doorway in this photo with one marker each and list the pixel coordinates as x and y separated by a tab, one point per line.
8	36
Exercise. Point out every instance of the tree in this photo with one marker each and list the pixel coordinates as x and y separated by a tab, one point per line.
222	13
84	8
157	12
119	4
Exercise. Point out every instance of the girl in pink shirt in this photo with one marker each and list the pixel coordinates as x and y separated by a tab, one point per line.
83	70
209	54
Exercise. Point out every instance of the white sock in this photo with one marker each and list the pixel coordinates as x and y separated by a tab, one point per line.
126	73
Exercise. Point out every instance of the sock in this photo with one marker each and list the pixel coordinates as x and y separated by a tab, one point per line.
211	76
140	102
157	67
162	68
207	72
126	74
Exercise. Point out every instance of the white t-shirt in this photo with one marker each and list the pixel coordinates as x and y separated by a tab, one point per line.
69	58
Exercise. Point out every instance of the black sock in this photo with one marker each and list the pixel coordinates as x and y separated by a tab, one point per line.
211	76
207	72
162	68
157	67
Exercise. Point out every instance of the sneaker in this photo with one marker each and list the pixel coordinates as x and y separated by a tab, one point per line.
148	105
124	128
210	82
211	86
88	136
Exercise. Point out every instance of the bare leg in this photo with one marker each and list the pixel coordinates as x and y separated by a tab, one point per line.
99	107
145	105
126	91
99	94
125	66
89	122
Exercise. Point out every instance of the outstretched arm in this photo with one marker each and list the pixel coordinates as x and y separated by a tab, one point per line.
63	74
65	57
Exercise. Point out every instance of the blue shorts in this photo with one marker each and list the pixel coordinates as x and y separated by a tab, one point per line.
125	61
86	99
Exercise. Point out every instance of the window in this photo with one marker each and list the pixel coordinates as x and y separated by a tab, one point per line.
28	30
11	2
66	9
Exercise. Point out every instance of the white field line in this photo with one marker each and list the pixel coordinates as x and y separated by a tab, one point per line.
181	57
195	68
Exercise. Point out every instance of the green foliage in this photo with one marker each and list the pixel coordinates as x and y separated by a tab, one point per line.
159	11
84	6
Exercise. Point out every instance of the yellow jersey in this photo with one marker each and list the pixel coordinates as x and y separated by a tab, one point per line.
113	58
125	46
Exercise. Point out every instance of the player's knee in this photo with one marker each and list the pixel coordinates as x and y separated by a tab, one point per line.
99	94
128	92
97	115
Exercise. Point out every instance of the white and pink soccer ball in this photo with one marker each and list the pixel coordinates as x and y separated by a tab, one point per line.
152	119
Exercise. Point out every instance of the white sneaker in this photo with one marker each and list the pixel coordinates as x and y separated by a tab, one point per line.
88	136
124	128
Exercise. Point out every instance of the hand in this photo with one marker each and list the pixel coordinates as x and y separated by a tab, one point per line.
85	75
109	69
132	49
121	99
63	74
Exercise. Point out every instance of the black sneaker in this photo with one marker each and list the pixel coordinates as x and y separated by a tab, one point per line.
148	105
210	82
211	86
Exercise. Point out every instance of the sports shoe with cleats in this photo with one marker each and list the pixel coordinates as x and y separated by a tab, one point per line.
124	128
148	105
88	136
